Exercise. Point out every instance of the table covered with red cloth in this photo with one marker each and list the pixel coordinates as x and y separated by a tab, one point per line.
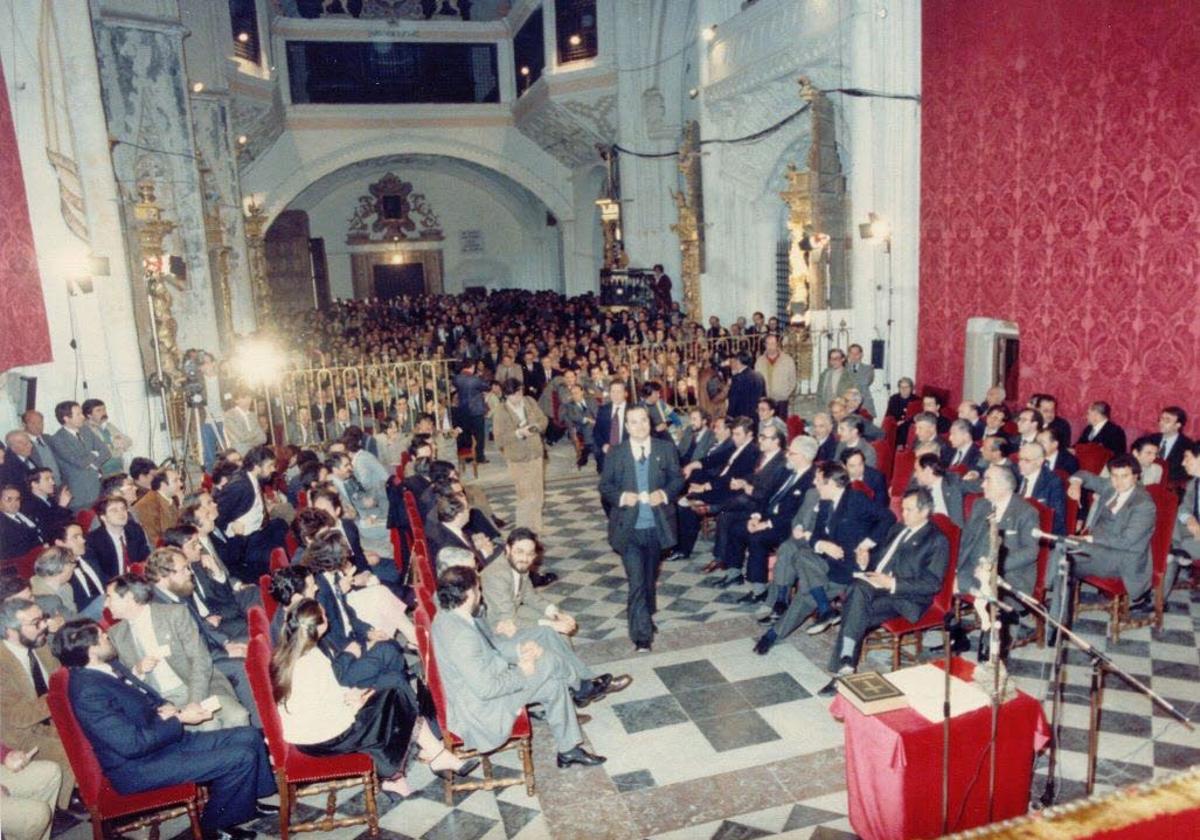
894	766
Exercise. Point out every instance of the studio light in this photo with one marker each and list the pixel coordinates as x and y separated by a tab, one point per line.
197	87
876	227
575	40
524	71
258	361
243	37
243	139
709	33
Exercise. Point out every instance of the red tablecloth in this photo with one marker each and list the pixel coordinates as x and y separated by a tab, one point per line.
894	766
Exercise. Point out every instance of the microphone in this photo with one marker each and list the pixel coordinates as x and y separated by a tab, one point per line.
1042	535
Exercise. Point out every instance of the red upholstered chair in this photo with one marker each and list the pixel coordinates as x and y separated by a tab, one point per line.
259	622
138	569
521	738
896	632
270	605
466	455
1009	428
1046	524
958	469
24	564
112	811
206	483
84	519
795	426
279	559
402	467
1092	456
302	500
969	500
423	569
884	456
902	471
297	774
398	552
943	394
1115	597
889	427
913	409
290	544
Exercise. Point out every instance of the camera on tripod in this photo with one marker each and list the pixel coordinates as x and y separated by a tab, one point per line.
192	386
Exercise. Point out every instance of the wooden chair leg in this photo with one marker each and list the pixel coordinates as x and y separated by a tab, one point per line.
97	826
527	763
193	810
895	653
286	796
371	804
1114	620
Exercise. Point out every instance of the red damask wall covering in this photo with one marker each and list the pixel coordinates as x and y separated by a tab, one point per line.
1060	189
24	334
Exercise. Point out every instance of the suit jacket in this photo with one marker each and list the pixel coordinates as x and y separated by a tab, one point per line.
875	480
827	389
484	688
46	513
504	430
1048	489
242	431
189	657
80	467
26	717
121	722
745	390
1066	462
1124	538
918	564
84	596
102	553
827	448
971	458
869	455
235	499
782	507
1174	458
1018	546
862	379
1111	437
306	435
16	470
580	417
602	430
339	633
854	519
94	441
525	607
41	588
213	639
620	475
699	445
1182	538
43	456
155	514
765	481
725	469
17	538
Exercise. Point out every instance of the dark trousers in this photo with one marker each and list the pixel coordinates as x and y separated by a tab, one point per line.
759	546
232	762
252	552
731	538
689	523
863	609
640	558
473	429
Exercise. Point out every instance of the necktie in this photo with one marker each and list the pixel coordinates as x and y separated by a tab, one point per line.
896	543
84	583
614	431
687	455
641	455
958	456
35	671
124	555
1025	486
1196	498
782	491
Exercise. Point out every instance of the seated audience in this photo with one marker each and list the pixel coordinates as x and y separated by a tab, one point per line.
242	515
118	541
1036	481
871	478
28	792
1173	444
1100	429
18	533
1185	539
750	496
48	506
87	581
158	510
143	741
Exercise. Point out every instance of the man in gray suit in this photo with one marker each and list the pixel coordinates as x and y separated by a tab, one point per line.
1185	542
78	457
1120	524
160	644
862	374
517	611
946	489
850	436
488	679
697	439
34	423
579	413
835	379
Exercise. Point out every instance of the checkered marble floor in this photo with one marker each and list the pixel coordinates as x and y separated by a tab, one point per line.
711	741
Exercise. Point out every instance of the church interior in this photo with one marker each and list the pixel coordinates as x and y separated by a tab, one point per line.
312	312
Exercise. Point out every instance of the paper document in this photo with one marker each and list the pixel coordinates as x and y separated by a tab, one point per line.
925	687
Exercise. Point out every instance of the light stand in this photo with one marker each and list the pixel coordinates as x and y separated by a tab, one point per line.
1100	664
159	381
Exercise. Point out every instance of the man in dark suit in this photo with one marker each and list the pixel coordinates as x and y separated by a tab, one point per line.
142	743
1172	442
18	459
1048	406
901	577
771	523
697	437
751	495
118	541
1036	481
822	560
711	486
610	423
87	581
823	433
18	533
746	387
871	478
44	503
1057	456
34	425
946	489
470	409
1102	430
641	483
242	516
963	451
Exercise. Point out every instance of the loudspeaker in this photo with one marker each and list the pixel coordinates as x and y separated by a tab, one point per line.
179	268
30	387
877	353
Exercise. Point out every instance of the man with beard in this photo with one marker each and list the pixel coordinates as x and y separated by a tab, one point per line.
25	669
160	643
515	610
242	516
144	741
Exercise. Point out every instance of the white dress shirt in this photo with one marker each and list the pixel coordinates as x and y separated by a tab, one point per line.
165	680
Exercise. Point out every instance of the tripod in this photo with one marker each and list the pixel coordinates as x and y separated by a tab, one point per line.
192	457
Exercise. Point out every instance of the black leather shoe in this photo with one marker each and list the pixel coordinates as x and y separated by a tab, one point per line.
641	647
985	647
468	767
266	809
1145	604
540	579
482	461
753	598
829	689
581	757
763	646
725	583
499	523
76	806
709	568
675	556
768	619
233	832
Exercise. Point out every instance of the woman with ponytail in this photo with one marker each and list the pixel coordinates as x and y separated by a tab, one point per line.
321	717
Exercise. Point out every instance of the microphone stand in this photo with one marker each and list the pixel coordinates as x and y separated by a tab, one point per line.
1101	664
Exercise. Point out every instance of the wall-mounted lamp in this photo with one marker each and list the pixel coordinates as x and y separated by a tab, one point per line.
710	33
197	87
575	40
876	227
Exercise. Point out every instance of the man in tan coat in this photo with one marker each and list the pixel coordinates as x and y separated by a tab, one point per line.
158	511
518	427
25	717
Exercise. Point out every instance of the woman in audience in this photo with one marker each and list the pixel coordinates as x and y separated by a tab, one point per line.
384	724
898	402
391	445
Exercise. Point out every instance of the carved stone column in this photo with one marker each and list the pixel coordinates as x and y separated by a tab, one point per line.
256	229
152	229
688	231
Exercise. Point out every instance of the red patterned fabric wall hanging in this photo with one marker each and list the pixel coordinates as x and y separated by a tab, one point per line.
1060	188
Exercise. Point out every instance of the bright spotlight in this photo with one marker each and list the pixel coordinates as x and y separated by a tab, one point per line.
709	33
258	361
575	40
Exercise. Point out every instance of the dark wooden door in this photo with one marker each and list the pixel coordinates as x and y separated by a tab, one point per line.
396	280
